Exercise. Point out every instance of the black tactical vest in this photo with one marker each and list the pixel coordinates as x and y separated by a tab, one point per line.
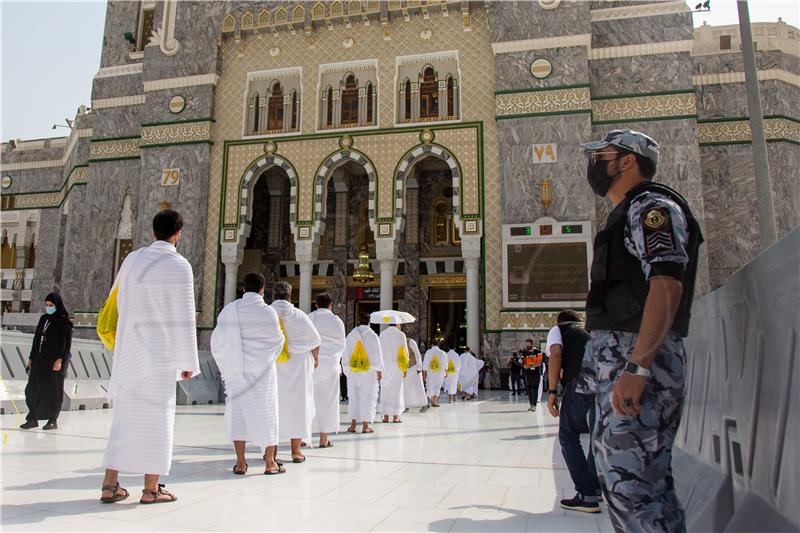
573	342
618	287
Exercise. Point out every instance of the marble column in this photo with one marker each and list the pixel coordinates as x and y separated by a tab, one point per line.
387	283
337	109
471	251
231	276
415	102
306	268
442	86
402	96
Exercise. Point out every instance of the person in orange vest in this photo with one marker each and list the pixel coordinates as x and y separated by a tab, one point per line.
532	368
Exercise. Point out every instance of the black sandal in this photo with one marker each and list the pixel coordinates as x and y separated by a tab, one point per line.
296	460
114	497
156	493
328	444
240	472
280	470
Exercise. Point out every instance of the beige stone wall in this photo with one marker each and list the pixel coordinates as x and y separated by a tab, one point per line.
384	148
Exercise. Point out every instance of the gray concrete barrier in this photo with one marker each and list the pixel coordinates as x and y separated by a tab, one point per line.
737	462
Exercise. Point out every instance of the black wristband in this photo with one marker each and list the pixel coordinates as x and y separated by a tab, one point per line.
552	391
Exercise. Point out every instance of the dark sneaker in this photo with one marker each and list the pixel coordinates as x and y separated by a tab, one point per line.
51	424
578	503
30	424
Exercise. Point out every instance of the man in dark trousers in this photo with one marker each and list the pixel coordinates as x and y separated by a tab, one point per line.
566	343
532	364
637	311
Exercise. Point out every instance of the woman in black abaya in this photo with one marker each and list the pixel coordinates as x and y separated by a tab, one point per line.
47	364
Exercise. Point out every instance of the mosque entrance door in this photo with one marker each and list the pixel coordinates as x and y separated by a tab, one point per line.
450	317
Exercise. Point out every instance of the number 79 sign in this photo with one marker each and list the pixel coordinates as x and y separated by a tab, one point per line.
170	177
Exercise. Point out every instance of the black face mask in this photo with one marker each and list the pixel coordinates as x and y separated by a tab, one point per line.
598	178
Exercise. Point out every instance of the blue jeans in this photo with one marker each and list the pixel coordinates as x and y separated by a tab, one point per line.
574	408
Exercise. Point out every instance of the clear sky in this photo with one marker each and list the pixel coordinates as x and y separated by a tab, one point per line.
51	52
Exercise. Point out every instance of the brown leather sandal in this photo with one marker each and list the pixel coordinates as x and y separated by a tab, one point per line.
114	497
156	493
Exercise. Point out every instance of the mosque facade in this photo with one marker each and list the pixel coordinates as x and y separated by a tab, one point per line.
410	153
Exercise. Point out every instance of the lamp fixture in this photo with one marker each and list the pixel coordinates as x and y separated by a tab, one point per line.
544	188
363	273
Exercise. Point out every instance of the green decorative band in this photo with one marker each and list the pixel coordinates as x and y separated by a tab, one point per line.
541	320
114	149
528	115
556	101
165	123
50	199
541	89
176	133
638	95
776	128
655	119
644	107
106	139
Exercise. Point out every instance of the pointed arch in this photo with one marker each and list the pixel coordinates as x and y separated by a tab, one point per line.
428	93
293	123
298	14
318	11
264	18
325	171
349	100
275	107
337	8
329	111
247	21
228	24
281	16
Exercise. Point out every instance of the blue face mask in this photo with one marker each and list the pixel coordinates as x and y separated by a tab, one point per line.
49	310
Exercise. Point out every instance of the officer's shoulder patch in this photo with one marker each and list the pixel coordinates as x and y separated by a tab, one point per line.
657	231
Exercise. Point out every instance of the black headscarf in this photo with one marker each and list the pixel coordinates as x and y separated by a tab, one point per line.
61	311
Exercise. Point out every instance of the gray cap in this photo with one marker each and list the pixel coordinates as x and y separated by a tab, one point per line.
633	141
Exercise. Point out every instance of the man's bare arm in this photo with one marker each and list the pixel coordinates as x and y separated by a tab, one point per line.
659	313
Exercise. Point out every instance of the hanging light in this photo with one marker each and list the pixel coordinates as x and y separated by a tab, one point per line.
439	337
545	189
363	273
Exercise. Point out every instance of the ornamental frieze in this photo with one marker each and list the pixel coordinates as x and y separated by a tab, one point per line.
78	176
102	150
631	108
734	131
548	101
176	133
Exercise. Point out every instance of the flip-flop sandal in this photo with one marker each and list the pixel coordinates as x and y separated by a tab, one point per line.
240	472
370	430
115	497
329	444
280	470
397	421
294	460
303	444
351	430
156	493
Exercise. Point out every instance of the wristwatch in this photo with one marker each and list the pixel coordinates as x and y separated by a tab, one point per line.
636	370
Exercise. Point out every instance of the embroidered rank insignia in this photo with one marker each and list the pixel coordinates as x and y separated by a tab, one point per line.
655	219
657	233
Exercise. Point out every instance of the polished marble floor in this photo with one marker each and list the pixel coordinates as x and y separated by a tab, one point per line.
486	465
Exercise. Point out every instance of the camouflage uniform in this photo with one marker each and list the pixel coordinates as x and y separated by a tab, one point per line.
633	454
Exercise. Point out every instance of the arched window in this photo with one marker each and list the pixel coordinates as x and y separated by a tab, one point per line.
441	224
254	112
451	109
329	117
428	95
350	101
370	111
407	97
294	110
275	108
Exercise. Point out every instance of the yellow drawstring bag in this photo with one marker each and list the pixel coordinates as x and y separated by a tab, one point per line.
435	366
451	367
402	359
284	355
359	360
107	320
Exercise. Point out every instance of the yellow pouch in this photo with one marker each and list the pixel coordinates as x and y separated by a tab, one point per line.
284	355
451	367
402	359
107	321
359	360
435	366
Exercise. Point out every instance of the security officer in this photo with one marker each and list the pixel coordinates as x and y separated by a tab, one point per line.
637	310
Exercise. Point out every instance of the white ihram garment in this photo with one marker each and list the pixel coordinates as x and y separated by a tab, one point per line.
245	345
413	386
435	378
295	381
156	339
326	376
362	387
468	375
393	343
453	368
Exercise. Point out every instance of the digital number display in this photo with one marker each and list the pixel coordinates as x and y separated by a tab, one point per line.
523	231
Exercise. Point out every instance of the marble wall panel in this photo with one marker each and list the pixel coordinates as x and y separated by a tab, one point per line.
514	21
733	62
730	100
604	4
91	226
197	30
199	104
679	167
121	16
638	30
117	122
115	86
188	198
570	67
521	177
47	252
40	179
643	74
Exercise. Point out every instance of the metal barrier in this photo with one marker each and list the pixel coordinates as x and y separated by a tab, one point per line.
737	462
86	385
